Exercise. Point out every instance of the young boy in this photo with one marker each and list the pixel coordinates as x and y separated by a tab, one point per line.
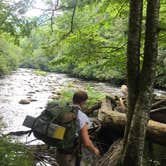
67	158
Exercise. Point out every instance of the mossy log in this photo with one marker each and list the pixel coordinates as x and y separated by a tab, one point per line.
156	131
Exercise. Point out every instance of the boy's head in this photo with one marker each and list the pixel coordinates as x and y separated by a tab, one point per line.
80	97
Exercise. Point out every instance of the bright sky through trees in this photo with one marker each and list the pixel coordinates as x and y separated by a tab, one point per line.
36	9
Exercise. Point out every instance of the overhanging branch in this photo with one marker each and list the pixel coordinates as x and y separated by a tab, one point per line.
71	25
53	13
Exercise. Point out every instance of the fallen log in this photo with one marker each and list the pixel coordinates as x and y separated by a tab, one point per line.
159	109
159	103
159	114
156	131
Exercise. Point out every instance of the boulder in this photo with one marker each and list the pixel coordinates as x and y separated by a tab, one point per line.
24	101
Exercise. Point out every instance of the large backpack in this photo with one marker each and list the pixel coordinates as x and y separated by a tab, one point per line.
63	115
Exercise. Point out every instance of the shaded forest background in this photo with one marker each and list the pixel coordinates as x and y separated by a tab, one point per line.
85	38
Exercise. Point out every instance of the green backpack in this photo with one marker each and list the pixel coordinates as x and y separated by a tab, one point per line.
63	115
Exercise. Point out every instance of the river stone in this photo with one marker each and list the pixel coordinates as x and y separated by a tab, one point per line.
25	101
32	100
31	92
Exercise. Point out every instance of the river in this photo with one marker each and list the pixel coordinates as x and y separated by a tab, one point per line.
23	83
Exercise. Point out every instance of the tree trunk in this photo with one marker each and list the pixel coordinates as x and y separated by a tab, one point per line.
133	152
133	58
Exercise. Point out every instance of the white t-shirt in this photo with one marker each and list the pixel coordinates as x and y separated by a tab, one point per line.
81	120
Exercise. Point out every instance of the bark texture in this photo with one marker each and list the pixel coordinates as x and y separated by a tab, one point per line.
133	58
133	151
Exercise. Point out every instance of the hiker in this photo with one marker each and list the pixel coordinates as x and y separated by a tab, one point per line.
72	156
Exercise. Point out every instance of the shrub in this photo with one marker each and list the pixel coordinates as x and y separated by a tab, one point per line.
13	154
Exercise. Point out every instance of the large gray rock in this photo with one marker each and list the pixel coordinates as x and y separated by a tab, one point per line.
25	101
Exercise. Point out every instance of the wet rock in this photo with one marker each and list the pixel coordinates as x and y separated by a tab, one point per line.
25	101
58	93
32	92
1	117
54	92
32	100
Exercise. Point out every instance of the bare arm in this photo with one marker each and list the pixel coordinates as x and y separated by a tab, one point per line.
86	140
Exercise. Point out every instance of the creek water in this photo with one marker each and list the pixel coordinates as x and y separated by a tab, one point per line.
23	84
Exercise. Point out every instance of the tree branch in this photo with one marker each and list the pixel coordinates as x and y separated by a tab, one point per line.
53	13
50	10
71	26
120	9
72	19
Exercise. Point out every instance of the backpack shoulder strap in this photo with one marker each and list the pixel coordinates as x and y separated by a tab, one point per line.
75	108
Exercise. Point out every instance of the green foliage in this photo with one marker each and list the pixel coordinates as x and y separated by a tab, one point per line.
92	44
12	19
93	96
9	30
66	95
96	46
40	73
14	154
9	54
35	54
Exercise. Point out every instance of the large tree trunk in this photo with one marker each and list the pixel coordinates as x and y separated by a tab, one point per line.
133	58
133	151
